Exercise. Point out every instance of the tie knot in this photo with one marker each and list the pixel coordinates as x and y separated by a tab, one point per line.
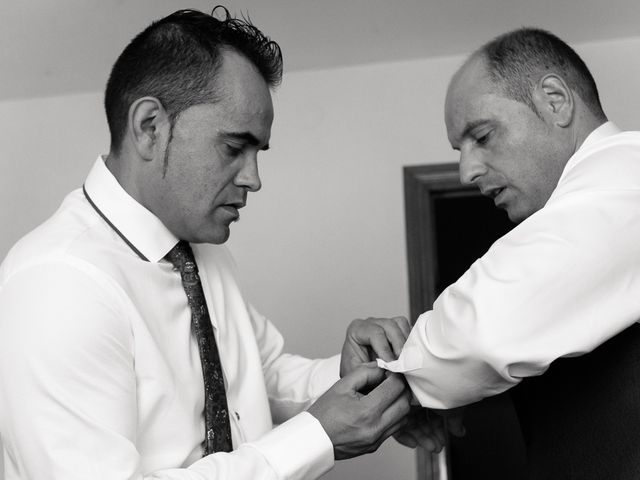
181	256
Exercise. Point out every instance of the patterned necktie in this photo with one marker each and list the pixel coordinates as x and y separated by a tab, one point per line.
216	413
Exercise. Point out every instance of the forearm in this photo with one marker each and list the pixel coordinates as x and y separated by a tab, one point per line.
296	450
294	383
548	289
299	449
443	375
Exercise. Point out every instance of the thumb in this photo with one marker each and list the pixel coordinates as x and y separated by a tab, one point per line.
364	378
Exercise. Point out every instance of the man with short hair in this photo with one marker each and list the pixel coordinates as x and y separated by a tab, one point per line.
523	111
114	311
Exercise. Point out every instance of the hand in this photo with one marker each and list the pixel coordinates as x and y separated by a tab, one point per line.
423	430
373	338
426	428
453	420
358	423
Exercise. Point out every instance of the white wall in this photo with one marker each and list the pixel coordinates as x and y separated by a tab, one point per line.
47	146
323	242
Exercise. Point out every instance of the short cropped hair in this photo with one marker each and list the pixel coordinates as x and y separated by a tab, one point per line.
176	60
517	60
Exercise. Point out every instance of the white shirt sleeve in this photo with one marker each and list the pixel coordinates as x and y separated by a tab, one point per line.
293	382
68	391
562	282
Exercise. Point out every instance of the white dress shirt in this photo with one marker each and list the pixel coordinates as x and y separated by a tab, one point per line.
100	375
559	284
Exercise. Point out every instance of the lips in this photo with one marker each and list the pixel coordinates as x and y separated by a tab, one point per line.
497	200
495	193
232	208
492	192
236	205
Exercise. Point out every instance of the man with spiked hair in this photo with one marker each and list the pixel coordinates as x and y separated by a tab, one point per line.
114	311
524	113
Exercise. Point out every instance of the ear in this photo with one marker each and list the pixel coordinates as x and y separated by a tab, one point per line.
148	127
554	100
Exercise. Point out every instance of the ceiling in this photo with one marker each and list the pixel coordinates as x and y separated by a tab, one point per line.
51	47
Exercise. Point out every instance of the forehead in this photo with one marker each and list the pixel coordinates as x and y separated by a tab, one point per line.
244	90
471	98
243	102
240	80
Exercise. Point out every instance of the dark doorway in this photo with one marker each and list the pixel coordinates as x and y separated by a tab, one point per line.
449	226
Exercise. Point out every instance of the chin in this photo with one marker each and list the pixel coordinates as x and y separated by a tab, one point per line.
216	239
220	236
216	236
517	216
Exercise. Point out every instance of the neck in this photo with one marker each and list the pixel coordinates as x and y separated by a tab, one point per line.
121	168
585	123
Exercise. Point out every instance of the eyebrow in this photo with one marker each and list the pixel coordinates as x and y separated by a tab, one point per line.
248	137
469	127
472	126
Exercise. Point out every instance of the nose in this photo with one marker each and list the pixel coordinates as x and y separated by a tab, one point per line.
471	168
248	176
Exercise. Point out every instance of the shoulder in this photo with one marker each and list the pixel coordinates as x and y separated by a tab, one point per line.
58	236
74	239
612	163
57	271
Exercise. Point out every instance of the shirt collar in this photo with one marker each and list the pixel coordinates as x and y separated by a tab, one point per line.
135	223
605	130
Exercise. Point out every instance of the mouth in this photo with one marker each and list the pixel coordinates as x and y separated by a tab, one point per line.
495	193
232	208
492	192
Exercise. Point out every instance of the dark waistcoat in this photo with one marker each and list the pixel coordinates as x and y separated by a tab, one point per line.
581	418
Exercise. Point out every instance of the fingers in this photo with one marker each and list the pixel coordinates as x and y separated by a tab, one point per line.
405	437
394	429
395	416
395	419
404	325
426	431
455	426
416	437
433	428
396	335
385	336
379	343
388	392
396	331
373	338
364	377
428	440
453	419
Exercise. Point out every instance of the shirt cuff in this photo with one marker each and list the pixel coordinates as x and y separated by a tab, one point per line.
328	373
299	449
410	359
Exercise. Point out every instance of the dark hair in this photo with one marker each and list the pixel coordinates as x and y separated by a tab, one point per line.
517	60
176	59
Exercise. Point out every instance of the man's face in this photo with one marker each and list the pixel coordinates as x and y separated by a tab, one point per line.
212	156
506	150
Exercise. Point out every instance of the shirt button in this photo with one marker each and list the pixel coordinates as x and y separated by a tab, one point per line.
237	415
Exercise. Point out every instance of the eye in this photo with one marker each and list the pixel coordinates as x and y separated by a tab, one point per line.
483	139
232	150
